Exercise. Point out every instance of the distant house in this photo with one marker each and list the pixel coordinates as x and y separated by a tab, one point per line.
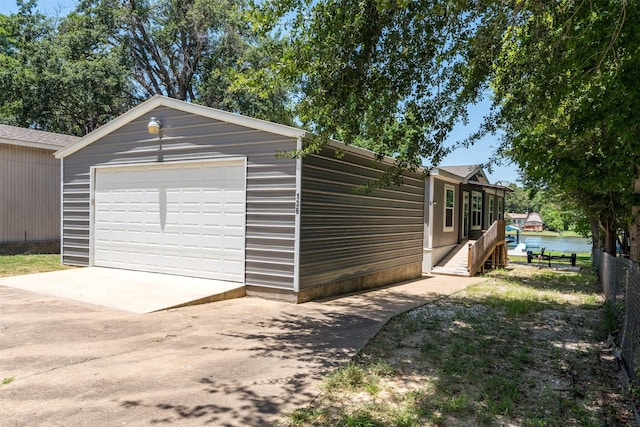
30	190
534	222
527	221
518	219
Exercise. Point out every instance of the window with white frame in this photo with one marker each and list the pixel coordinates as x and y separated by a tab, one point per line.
449	207
490	213
476	210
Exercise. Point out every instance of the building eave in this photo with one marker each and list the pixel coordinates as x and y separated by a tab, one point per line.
29	144
163	101
364	153
446	176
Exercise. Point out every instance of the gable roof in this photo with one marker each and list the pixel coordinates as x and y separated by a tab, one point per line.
462	174
534	217
462	171
467	173
24	137
200	110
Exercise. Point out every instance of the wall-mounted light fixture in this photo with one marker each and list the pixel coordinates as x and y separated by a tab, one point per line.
154	126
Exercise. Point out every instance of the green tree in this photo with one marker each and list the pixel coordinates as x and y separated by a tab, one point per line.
202	51
386	75
75	73
517	201
59	76
19	33
569	104
557	212
394	75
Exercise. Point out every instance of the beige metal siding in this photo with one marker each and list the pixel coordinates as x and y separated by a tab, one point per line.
440	237
270	204
347	234
29	194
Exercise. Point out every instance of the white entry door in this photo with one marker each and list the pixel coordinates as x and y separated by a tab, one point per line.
176	218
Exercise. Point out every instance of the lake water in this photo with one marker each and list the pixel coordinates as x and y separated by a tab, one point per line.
566	245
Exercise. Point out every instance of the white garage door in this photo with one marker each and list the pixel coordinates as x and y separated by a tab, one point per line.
182	218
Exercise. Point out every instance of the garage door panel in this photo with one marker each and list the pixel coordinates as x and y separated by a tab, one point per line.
235	222
213	218
173	218
231	242
233	198
172	240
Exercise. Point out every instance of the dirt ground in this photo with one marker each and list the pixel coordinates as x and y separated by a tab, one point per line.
526	348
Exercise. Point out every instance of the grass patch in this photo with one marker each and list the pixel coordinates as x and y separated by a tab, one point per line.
522	348
15	265
516	299
355	378
307	416
7	380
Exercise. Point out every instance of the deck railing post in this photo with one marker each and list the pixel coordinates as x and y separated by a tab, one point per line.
491	244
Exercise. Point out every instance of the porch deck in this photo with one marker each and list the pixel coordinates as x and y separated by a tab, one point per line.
470	256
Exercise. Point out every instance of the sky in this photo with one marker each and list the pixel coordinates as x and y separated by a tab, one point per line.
479	153
48	7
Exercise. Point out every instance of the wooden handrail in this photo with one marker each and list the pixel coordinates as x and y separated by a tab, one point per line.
483	248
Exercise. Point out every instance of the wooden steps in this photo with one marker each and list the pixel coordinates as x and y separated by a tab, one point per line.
456	263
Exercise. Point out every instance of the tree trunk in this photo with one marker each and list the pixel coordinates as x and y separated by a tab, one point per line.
596	241
634	229
610	238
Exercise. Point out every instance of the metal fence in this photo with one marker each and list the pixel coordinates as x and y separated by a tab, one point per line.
620	279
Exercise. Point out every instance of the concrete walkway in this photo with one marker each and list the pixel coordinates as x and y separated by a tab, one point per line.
239	362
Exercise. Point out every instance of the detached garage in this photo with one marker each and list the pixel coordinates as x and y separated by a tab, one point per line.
188	190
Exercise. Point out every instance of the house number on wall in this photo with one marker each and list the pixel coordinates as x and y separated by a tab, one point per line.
297	203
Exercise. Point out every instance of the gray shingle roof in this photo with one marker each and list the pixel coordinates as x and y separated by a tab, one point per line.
461	171
534	217
31	137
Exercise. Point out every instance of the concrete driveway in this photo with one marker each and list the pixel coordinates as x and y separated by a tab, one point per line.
238	362
133	291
